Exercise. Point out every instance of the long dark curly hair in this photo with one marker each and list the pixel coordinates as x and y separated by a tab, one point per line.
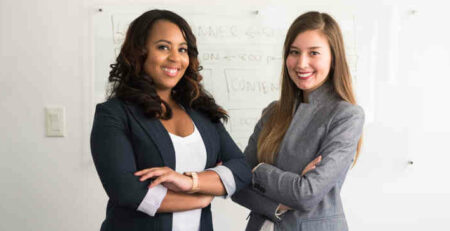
130	83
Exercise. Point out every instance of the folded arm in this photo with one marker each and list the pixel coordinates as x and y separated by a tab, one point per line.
305	192
113	157
233	174
114	160
175	202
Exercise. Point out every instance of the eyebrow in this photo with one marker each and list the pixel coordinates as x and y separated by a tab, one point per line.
310	48
166	41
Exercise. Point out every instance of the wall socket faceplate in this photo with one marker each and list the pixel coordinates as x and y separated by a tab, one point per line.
54	121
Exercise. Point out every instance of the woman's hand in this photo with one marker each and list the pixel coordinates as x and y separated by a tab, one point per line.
282	207
168	177
311	165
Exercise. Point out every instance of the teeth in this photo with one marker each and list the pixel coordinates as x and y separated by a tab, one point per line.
170	70
304	75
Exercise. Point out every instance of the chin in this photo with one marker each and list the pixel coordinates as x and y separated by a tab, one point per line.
302	87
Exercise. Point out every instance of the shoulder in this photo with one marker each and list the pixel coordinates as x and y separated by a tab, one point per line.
268	110
345	111
271	106
113	103
114	106
344	107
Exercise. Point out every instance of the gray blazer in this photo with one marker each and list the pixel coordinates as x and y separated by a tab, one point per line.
326	126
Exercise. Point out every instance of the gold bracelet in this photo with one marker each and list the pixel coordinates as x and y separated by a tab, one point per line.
195	188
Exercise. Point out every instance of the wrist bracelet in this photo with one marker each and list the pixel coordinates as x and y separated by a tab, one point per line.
194	176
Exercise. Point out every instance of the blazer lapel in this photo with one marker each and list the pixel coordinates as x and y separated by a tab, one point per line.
205	134
157	133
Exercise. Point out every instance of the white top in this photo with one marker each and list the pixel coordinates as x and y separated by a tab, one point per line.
190	156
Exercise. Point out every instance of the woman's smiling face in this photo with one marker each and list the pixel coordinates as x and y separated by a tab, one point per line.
309	60
167	55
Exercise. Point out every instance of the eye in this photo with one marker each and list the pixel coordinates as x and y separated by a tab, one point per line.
183	50
163	47
315	53
294	52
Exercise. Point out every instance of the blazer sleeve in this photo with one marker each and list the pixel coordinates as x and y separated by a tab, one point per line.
248	197
113	157
232	158
337	149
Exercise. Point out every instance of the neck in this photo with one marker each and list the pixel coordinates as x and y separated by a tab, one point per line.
305	95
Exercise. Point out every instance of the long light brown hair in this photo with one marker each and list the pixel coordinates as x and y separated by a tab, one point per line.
275	128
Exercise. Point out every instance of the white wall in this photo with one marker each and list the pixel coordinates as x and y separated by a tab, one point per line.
46	183
50	183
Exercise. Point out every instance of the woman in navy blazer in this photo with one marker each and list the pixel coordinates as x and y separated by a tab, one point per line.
156	101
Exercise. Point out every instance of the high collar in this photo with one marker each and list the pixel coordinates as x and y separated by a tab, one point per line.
323	93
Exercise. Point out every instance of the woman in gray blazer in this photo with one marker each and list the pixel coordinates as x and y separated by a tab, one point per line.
304	144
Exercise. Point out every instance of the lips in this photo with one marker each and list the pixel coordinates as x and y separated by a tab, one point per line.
171	71
304	75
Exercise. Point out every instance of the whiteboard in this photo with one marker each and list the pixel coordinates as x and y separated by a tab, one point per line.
240	52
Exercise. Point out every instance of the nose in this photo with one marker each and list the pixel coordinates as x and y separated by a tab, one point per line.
303	61
174	56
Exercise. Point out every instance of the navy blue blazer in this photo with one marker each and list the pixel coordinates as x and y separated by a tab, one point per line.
124	140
